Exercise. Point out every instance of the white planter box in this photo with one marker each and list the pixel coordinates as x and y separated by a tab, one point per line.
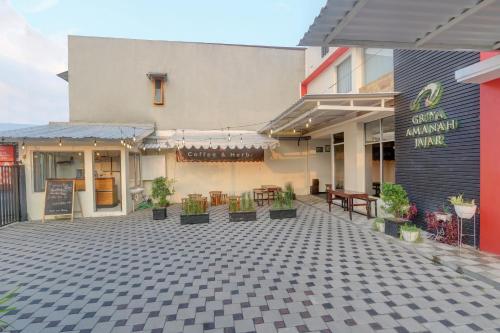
465	212
410	236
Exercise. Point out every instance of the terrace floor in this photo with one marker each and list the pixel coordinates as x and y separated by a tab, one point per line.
318	273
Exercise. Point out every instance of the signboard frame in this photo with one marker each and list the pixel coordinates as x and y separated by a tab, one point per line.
74	195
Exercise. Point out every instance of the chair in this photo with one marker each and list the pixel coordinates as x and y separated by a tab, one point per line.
258	196
215	198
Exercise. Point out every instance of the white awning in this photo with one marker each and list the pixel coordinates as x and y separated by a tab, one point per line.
208	139
80	131
480	72
407	24
315	112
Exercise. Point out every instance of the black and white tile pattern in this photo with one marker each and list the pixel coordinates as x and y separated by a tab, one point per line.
317	273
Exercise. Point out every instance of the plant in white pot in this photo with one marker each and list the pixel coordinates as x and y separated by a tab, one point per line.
443	213
379	224
465	209
410	232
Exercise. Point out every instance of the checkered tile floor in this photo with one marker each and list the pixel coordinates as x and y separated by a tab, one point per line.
317	273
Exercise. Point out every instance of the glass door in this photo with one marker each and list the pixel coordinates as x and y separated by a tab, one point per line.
107	180
338	161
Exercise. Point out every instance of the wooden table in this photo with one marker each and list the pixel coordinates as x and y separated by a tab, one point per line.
271	192
348	198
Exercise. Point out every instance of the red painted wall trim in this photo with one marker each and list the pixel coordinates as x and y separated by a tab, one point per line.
321	68
489	163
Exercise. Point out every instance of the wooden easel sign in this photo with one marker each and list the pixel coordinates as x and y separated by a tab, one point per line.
59	198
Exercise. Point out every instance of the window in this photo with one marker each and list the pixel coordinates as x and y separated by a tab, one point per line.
324	51
380	153
339	161
158	91
378	62
344	79
57	165
134	166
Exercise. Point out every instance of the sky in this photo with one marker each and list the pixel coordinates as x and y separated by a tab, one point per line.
33	38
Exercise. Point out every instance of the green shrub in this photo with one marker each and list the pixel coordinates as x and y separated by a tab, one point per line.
284	200
4	309
395	199
246	202
193	207
161	189
460	201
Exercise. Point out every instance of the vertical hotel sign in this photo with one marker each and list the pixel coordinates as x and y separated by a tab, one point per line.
430	123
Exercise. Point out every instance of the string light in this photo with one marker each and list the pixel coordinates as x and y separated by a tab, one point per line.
229	137
310	120
144	148
95	143
122	142
241	139
183	141
210	144
133	138
307	125
22	145
271	131
60	142
294	131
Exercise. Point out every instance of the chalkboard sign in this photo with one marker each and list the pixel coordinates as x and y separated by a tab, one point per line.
59	197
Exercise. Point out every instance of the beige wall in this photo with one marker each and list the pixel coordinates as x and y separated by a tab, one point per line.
209	86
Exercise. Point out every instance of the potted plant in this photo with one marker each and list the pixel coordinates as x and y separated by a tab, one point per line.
465	209
289	188
245	211
161	189
443	213
410	232
283	206
394	202
379	224
194	212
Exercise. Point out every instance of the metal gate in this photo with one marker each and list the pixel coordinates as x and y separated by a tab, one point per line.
12	194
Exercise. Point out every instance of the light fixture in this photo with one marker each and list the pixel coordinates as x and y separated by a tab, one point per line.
79	153
60	142
183	141
228	136
159	148
22	145
310	120
144	148
122	142
307	125
133	138
294	130
241	139
97	153
269	135
95	143
271	131
210	144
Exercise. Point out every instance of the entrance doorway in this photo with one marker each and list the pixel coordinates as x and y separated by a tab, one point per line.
107	180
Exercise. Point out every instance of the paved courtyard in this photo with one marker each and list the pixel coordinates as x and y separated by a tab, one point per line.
317	273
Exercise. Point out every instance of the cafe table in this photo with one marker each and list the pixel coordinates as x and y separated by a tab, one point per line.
348	197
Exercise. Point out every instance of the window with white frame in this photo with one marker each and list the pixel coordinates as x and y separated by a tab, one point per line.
134	164
378	62
344	76
56	165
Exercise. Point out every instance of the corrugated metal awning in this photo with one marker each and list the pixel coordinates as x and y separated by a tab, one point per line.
81	131
208	139
413	24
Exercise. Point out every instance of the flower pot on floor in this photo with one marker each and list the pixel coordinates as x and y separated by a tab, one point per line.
159	213
195	219
465	211
380	226
410	236
392	226
242	216
277	214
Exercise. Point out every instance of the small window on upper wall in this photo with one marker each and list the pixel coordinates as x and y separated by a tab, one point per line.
324	51
158	91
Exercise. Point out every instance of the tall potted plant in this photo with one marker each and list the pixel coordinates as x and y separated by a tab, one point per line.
245	211
161	190
464	208
283	206
394	202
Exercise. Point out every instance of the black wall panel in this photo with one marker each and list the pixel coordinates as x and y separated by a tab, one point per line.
431	175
